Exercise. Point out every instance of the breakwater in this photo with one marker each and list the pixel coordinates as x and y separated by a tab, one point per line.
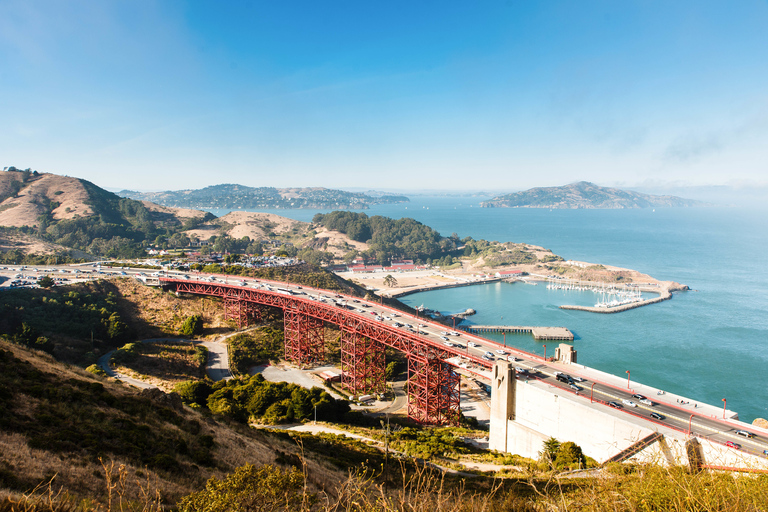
664	294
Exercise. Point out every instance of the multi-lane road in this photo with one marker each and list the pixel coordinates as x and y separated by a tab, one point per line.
473	354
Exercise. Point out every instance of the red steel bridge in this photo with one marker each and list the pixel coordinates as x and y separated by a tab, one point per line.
433	384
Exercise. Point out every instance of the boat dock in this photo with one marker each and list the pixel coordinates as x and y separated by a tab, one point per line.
539	333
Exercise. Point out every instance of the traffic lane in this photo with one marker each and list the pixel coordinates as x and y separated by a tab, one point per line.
702	426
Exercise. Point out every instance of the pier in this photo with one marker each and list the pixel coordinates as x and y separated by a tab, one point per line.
539	333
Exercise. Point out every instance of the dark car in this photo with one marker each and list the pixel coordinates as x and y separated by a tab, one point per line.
615	405
638	396
657	416
564	378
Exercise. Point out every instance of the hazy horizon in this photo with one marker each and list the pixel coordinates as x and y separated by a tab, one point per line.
497	96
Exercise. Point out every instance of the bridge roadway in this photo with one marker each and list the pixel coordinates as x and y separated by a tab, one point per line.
465	351
597	388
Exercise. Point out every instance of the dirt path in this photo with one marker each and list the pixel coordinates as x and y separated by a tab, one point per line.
217	365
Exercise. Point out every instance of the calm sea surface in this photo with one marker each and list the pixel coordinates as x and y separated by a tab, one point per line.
707	344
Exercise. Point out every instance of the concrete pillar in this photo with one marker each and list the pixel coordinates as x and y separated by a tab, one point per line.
565	354
503	386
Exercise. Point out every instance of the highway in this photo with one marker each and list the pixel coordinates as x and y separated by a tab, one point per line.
472	353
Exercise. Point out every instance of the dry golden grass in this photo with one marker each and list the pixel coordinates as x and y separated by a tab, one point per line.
155	313
165	364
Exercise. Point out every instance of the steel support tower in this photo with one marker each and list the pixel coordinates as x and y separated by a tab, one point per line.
244	313
433	391
304	338
362	364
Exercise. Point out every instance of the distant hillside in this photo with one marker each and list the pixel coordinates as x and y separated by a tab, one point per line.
77	214
583	194
231	196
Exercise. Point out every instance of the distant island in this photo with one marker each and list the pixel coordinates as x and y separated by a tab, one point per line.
584	194
232	196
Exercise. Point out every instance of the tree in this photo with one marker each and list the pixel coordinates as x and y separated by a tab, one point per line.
192	326
45	282
569	455
390	281
391	371
549	450
193	392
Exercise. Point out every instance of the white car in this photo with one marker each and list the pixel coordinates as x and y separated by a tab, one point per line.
473	344
629	403
502	352
447	343
645	401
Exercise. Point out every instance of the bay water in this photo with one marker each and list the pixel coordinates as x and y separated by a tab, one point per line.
707	344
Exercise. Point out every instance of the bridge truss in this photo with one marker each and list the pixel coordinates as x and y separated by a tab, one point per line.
433	384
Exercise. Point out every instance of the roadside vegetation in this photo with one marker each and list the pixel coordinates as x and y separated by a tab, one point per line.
257	346
253	399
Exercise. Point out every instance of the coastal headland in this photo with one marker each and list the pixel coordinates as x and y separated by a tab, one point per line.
574	272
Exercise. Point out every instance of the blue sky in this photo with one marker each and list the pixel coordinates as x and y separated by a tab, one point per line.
494	95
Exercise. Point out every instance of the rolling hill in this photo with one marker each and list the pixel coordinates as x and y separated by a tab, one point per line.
584	194
232	196
77	214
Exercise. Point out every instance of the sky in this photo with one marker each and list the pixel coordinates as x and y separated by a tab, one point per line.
496	95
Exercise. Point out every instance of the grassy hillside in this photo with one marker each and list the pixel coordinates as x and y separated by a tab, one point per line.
77	214
78	323
58	420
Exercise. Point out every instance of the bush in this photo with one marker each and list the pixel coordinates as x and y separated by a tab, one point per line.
250	488
96	370
194	392
192	326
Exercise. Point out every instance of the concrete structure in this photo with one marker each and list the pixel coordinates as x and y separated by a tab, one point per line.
525	413
565	354
539	333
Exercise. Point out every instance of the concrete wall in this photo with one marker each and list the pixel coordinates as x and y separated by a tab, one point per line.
540	413
524	415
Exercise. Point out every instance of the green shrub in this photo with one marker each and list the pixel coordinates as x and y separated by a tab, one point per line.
192	326
250	488
194	392
96	370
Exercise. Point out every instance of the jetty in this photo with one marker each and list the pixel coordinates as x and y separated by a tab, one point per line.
664	294
539	333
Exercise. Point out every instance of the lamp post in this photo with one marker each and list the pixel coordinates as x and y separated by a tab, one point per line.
545	352
315	414
592	392
689	424
724	408
628	379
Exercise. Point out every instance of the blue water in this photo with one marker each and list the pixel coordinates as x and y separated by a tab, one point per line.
707	344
